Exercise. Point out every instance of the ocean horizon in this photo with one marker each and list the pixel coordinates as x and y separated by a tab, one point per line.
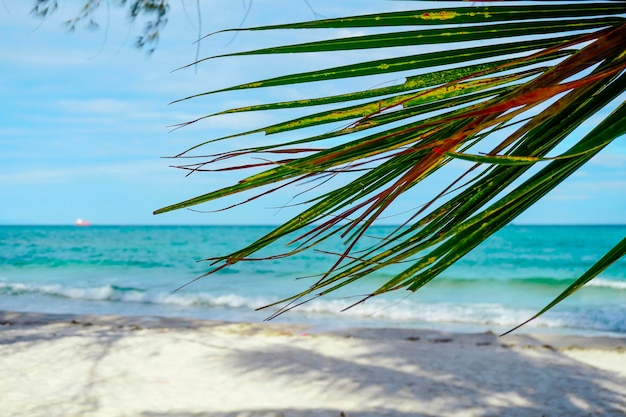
135	269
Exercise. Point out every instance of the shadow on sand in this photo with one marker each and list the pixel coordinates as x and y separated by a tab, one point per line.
360	373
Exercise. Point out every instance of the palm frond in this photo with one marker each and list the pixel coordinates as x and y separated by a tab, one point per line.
515	79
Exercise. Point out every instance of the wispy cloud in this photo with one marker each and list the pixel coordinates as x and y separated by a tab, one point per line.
610	160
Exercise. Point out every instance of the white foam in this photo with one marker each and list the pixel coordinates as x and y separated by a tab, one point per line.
609	319
607	283
205	299
376	311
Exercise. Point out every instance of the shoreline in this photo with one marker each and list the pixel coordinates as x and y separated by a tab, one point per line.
325	324
145	366
531	337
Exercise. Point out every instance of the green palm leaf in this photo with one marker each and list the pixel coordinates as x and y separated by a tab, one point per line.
547	70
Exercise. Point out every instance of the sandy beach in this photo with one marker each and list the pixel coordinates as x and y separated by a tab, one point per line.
63	365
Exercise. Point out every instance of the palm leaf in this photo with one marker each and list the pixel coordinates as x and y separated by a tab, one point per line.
548	69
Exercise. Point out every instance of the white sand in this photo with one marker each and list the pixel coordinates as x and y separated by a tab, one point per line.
156	367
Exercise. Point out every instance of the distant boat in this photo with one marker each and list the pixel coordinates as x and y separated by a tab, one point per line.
81	222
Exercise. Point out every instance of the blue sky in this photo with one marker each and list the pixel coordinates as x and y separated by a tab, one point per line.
84	123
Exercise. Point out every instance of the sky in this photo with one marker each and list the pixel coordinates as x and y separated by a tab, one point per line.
85	120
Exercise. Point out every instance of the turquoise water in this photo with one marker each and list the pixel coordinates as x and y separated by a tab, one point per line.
134	270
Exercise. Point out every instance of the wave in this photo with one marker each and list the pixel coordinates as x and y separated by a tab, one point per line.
484	314
104	292
616	284
374	312
117	293
607	283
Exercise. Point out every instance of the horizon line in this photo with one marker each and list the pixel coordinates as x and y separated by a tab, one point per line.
271	225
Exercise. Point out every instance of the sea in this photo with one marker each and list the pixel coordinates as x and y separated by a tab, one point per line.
137	270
